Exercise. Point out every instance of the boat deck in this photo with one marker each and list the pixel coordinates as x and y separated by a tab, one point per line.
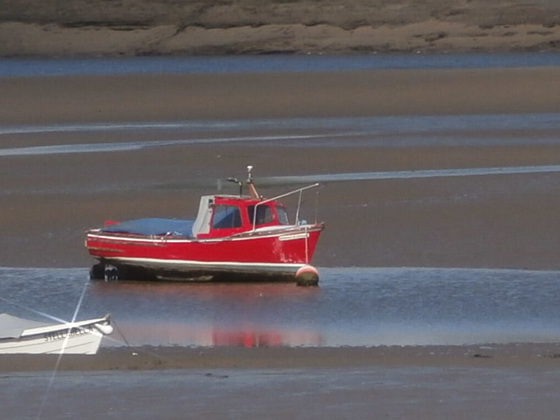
153	226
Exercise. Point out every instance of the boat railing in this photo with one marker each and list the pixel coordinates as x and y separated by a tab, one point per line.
278	197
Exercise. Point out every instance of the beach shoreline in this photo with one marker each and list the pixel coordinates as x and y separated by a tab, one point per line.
432	387
528	355
140	28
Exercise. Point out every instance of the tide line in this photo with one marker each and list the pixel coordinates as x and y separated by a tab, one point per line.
129	146
409	174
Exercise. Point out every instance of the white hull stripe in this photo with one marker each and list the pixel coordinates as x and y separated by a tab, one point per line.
208	264
168	239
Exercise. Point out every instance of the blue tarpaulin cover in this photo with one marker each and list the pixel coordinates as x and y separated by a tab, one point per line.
154	226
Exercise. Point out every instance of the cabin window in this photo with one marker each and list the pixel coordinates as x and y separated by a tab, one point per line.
263	216
282	216
226	217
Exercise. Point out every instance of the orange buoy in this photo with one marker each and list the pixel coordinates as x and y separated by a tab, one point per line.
307	275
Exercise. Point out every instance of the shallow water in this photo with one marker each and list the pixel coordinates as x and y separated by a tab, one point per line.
351	307
373	132
288	63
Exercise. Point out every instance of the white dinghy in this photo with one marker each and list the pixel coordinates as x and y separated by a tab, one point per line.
19	336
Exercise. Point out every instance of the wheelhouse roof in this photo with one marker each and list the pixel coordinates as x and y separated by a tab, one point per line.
246	200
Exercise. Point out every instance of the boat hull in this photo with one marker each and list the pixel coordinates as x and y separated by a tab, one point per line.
265	255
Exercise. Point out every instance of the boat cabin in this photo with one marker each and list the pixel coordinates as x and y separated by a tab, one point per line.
219	216
225	215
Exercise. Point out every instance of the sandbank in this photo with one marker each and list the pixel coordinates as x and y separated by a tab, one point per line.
142	27
543	355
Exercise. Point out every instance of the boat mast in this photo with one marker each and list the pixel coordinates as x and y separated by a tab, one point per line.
252	189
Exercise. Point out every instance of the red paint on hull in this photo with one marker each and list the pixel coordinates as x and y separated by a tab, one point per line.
252	249
274	252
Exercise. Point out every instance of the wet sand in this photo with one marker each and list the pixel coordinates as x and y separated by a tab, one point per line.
485	382
393	391
528	355
276	95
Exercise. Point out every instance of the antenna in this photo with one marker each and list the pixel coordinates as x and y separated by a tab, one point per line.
236	181
254	194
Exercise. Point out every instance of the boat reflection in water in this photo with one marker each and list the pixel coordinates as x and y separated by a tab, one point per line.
209	335
209	314
261	338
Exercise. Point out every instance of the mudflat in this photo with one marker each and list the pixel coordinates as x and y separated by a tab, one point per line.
72	99
163	358
438	382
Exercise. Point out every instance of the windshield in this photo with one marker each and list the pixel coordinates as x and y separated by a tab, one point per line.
263	216
282	216
226	217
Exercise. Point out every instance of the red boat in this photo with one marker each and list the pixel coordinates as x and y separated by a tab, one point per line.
234	237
